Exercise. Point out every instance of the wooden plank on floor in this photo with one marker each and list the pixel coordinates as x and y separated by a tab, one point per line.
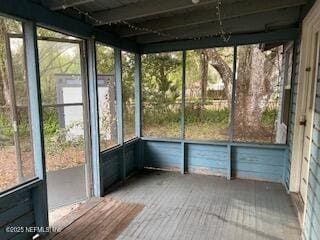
106	220
189	207
73	216
207	207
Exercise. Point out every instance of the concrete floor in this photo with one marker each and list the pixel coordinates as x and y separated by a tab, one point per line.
66	186
207	207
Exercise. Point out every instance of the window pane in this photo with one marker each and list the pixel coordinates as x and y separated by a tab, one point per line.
161	94
128	62
106	97
209	74
257	93
16	153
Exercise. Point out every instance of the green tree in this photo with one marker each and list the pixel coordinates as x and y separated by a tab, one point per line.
162	77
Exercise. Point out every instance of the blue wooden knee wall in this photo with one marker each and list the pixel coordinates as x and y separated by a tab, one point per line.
232	160
247	161
118	159
20	211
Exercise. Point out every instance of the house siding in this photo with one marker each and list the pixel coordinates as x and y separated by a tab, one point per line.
312	218
294	87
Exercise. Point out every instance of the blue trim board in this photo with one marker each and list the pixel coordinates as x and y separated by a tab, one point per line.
39	193
94	117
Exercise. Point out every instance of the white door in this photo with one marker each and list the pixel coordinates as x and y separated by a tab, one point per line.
312	76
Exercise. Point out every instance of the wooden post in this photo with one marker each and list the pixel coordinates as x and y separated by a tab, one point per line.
138	99
119	97
138	108
183	98
39	194
229	166
94	118
232	113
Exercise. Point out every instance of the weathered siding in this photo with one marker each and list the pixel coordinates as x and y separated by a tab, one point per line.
258	163
249	161
111	162
16	210
312	219
165	155
113	159
294	89
130	156
207	159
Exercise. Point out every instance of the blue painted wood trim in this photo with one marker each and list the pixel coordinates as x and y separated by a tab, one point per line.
183	95
240	39
182	119
292	110
22	187
27	10
119	98
138	99
219	143
33	77
94	118
183	167
138	108
39	194
233	94
286	157
229	164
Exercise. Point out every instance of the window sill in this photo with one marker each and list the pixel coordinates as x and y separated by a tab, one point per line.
22	187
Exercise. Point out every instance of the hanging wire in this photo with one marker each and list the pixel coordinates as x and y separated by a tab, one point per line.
224	35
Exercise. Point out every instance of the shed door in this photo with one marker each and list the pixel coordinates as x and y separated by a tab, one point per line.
308	121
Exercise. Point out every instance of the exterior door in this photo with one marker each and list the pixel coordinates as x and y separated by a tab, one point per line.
65	124
313	75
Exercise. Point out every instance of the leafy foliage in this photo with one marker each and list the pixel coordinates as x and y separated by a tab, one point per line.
161	77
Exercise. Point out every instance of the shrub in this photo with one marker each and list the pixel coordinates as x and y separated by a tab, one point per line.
268	117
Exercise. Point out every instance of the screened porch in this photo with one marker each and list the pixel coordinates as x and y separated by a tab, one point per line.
159	120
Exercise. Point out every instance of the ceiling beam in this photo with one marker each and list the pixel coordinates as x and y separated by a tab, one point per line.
42	16
237	39
67	4
145	9
246	24
199	16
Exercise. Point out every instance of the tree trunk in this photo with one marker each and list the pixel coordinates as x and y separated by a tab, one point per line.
204	75
224	71
256	77
4	85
